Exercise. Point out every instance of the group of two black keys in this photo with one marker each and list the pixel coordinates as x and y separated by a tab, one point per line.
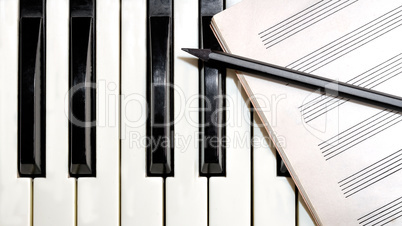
32	89
82	104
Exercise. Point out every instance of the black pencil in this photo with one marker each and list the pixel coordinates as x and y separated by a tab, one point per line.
302	79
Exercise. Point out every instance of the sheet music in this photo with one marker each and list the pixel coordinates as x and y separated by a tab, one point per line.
345	156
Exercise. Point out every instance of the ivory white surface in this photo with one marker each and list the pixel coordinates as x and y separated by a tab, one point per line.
186	192
98	198
15	192
141	196
54	196
274	197
230	196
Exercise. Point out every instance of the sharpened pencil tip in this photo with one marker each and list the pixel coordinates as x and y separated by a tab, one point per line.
203	54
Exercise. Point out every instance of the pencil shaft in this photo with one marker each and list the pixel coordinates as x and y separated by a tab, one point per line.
302	79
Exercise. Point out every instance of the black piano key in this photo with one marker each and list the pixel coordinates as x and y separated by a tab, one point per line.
82	82
82	8
212	103
32	90
160	158
210	7
32	8
281	170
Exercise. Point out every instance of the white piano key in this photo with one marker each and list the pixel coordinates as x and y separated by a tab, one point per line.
98	198
304	217
230	3
141	196
274	197
186	192
15	192
56	189
230	196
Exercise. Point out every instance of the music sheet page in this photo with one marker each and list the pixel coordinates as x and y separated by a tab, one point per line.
345	156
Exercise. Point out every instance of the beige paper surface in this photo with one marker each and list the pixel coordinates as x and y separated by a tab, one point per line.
344	156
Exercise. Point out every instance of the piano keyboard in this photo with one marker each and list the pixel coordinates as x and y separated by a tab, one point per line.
126	165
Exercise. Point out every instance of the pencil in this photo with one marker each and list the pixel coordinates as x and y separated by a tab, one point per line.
275	72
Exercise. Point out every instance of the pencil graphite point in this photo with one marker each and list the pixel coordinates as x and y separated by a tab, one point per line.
203	54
